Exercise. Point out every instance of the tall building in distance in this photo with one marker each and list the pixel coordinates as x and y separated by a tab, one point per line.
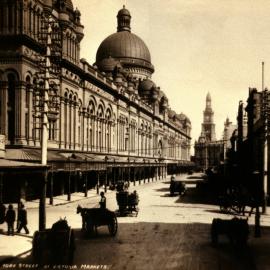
208	127
107	121
210	152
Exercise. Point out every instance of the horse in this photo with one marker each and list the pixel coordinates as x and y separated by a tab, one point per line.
235	229
85	212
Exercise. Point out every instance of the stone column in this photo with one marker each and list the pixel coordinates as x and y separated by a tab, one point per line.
20	91
82	129
30	116
67	143
3	107
25	18
71	125
5	19
62	123
76	124
93	132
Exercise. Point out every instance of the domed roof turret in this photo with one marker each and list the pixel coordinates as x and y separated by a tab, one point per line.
123	12
146	86
64	5
183	117
108	64
123	19
126	47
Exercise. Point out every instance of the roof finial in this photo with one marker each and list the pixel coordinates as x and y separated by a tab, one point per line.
124	6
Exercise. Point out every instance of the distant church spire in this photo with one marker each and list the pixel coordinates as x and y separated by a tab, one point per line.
208	126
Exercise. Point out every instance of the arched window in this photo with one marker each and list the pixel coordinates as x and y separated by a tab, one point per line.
11	108
108	130
100	128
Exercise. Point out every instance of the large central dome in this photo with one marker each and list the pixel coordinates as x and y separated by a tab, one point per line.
126	48
123	45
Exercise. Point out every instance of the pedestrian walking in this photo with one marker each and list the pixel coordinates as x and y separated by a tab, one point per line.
22	219
2	213
10	219
102	202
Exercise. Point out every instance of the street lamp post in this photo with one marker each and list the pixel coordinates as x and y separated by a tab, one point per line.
128	171
44	138
69	176
85	179
148	172
97	178
106	173
255	178
51	185
144	171
159	170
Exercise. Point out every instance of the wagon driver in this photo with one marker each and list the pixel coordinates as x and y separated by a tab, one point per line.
102	201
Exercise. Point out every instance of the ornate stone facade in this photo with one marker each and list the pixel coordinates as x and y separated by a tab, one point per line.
104	113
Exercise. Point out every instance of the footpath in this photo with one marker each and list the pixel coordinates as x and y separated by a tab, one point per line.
20	244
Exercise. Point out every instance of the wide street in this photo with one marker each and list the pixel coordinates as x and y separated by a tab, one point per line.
168	233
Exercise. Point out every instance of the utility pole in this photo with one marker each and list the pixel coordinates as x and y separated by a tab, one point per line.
265	148
49	70
44	138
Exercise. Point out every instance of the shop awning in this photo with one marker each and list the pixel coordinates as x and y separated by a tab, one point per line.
6	165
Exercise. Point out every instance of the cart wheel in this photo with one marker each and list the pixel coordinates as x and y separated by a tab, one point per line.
113	226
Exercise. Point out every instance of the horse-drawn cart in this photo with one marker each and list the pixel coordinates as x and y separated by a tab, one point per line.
96	217
127	202
55	245
177	186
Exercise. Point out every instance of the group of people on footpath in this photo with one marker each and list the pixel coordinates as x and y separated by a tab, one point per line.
9	216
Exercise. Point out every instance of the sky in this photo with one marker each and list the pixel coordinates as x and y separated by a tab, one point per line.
196	46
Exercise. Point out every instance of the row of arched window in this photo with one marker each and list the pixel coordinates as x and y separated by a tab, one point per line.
91	128
71	46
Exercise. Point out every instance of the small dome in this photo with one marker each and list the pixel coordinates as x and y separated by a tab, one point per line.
107	64
66	4
146	86
183	117
124	12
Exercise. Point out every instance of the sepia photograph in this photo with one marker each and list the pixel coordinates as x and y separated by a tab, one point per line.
134	134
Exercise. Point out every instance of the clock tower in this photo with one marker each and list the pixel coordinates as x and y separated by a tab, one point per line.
208	127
